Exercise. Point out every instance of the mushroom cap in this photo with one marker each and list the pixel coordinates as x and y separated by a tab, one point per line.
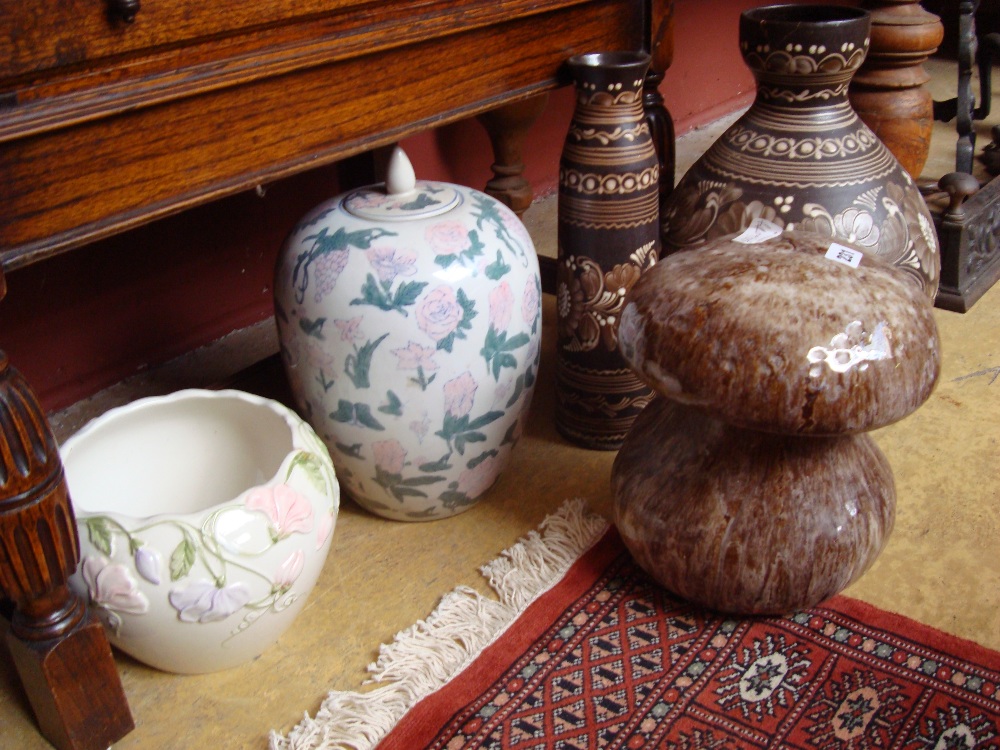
777	336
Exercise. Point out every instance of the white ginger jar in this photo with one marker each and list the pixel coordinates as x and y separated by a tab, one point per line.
410	323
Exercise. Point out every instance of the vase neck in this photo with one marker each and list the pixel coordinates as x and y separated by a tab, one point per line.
803	91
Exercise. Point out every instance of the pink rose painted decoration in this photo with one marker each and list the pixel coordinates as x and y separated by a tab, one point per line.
431	341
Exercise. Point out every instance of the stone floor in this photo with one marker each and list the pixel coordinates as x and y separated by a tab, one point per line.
940	565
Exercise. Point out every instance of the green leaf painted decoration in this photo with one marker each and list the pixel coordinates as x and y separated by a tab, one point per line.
358	365
364	415
313	328
393	405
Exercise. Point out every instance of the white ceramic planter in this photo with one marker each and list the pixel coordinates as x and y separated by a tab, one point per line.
410	320
205	519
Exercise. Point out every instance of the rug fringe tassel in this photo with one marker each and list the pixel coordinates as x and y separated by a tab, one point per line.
428	654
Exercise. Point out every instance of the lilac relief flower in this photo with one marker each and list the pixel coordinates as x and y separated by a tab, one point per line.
285	508
459	394
112	590
439	312
501	306
147	563
204	602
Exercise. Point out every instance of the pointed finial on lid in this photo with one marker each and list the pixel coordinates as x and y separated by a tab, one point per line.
400	178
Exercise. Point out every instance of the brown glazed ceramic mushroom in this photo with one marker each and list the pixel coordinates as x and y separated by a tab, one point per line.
748	485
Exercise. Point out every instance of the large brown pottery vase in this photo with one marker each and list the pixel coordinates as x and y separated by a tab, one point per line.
608	233
801	157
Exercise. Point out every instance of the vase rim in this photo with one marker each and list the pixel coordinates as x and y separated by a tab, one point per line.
614	58
787	13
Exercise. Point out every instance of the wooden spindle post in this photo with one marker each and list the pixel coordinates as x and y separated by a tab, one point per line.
888	91
61	655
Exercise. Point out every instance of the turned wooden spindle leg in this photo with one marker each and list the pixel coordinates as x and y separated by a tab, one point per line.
888	91
62	656
507	128
661	124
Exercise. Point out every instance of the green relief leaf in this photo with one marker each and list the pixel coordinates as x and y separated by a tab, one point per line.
508	438
182	559
393	406
400	491
313	468
100	534
445	260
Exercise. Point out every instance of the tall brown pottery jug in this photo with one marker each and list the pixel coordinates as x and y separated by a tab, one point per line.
800	157
608	233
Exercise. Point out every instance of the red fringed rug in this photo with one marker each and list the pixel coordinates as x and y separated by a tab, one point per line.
605	658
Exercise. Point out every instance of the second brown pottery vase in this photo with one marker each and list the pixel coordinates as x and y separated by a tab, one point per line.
800	157
608	233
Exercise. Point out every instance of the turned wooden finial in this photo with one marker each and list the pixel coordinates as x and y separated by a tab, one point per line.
888	91
62	656
507	128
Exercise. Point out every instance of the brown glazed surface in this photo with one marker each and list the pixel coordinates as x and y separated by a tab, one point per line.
775	336
747	522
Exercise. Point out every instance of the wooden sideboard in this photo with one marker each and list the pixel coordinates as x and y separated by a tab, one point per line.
114	113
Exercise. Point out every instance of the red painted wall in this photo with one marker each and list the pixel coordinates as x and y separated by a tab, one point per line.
87	319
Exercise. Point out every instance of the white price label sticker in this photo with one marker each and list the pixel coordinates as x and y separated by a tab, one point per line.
845	255
759	230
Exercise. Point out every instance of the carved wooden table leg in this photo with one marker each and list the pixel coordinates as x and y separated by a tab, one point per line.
888	91
507	128
62	655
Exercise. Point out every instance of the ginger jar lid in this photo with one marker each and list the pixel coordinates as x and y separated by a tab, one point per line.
402	197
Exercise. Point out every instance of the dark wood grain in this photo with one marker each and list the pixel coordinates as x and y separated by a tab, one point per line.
78	181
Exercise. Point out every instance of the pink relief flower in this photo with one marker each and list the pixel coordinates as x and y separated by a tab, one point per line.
414	356
448	238
112	589
459	394
501	306
350	329
389	263
203	601
529	302
438	313
285	508
323	529
289	571
389	456
475	481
